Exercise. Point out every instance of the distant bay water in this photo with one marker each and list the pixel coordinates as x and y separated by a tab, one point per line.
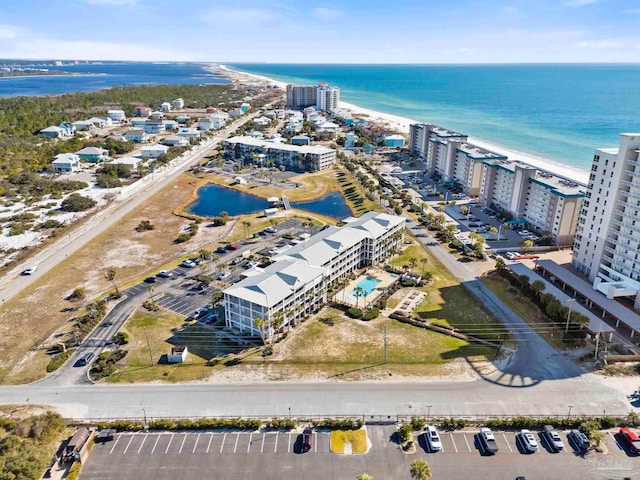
559	112
104	75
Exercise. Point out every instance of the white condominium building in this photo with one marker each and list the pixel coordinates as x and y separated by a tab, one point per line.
421	134
303	158
297	283
327	97
549	203
607	245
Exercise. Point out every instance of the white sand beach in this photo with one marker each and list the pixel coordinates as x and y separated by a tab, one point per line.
401	125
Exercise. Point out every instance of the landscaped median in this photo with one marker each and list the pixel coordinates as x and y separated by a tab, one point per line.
349	442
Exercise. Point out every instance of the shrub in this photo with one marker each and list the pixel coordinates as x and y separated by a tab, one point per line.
77	294
51	224
341	424
406	282
17	229
355	312
58	360
122	425
74	471
121	338
183	237
418	423
404	432
281	424
151	306
454	423
144	226
105	364
371	314
77	203
107	181
219	221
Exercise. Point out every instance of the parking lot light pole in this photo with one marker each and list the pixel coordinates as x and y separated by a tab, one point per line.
566	328
289	412
569	414
499	231
428	413
145	418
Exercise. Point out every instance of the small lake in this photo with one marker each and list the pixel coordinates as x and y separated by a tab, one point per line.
214	199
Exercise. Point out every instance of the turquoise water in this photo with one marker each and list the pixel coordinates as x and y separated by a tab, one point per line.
368	284
560	112
213	200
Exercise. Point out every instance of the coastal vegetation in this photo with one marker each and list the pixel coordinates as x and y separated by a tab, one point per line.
22	117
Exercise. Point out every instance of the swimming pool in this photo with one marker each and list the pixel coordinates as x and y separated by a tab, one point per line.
368	284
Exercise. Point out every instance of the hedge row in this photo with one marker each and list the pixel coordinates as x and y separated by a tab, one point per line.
518	423
341	424
58	360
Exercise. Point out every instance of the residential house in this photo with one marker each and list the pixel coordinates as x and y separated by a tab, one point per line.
66	163
100	122
182	119
165	107
138	122
142	111
132	162
117	115
328	127
63	130
84	125
394	141
188	133
157	115
178	103
153	126
245	107
153	151
300	140
350	140
93	154
235	113
170	124
205	124
175	141
136	135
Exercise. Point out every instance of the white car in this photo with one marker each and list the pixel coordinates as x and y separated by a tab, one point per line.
528	440
188	264
433	439
31	270
223	275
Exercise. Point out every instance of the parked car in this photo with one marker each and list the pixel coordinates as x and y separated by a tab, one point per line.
306	439
221	250
187	264
197	261
528	441
555	442
489	441
433	439
232	246
31	270
251	265
236	260
632	439
579	439
150	280
270	230
165	274
223	275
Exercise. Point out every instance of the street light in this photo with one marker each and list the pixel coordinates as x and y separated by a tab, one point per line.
566	328
289	412
428	413
569	414
145	418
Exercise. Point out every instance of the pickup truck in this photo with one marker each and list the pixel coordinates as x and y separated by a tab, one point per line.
632	439
488	440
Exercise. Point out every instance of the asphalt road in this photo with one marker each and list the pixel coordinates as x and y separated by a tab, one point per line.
13	282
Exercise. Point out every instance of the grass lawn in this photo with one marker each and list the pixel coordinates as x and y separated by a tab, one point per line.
357	439
527	310
164	330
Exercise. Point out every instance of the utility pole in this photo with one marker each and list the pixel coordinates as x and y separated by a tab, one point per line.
595	355
566	328
149	347
385	342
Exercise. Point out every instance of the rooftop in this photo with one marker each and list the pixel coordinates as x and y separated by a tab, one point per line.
92	151
479	153
256	142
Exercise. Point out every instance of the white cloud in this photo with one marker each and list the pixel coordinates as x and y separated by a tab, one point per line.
8	32
581	3
326	13
240	17
601	44
114	3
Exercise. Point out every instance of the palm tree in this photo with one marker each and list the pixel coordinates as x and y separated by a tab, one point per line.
412	263
423	261
364	476
420	470
260	323
246	224
150	289
204	254
110	276
359	292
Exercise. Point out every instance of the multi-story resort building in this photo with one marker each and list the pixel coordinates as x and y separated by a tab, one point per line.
547	202
302	158
327	97
607	244
300	97
296	284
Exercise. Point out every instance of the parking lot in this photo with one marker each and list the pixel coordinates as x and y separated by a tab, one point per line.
276	455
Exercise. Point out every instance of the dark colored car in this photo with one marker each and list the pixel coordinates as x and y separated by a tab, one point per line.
579	439
306	439
196	260
150	280
221	250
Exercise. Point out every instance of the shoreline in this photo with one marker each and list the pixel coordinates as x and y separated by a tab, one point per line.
401	124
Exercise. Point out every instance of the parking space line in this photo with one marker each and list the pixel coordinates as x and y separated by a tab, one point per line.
507	442
315	442
455	447
236	446
143	440
289	447
223	439
154	445
275	449
196	445
127	447
209	445
116	443
249	446
262	446
182	444
466	441
169	444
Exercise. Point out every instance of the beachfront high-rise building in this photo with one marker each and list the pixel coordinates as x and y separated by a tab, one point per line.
296	284
607	244
327	98
300	97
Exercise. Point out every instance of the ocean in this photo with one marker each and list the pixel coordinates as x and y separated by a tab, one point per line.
109	74
559	112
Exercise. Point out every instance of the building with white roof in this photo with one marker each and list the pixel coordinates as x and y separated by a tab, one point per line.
117	115
153	151
296	284
132	162
66	163
178	103
607	244
294	157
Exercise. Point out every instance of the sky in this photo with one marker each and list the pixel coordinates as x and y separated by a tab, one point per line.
306	31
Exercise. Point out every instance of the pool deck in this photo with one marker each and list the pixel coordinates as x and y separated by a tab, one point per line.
346	297
409	302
